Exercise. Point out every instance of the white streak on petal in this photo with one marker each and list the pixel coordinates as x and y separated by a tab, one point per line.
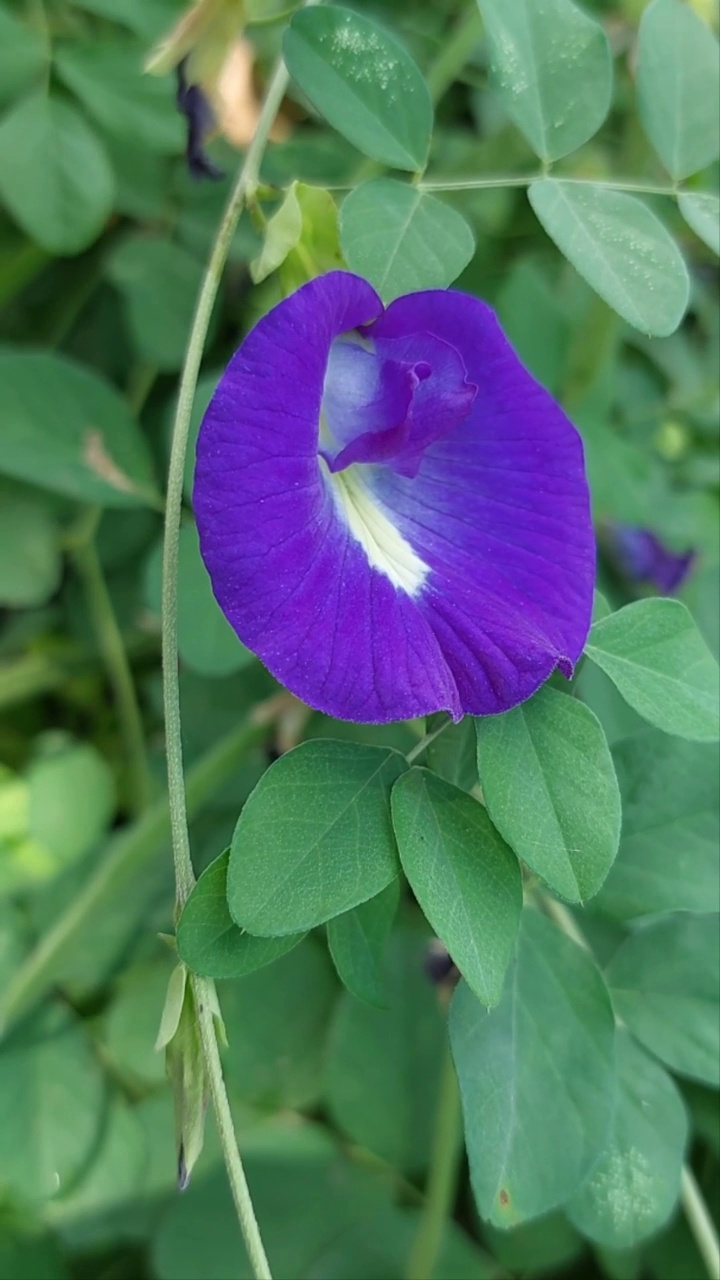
386	549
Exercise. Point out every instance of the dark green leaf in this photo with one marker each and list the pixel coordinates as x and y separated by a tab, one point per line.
134	1020
108	78
159	282
24	55
30	556
465	878
363	82
549	784
357	941
537	1077
678	84
315	837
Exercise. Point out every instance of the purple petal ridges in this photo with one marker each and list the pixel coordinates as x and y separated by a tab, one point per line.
393	513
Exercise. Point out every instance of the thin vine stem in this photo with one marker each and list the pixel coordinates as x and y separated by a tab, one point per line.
526	179
442	1182
696	1211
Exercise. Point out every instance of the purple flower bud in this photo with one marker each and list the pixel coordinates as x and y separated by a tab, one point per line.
641	557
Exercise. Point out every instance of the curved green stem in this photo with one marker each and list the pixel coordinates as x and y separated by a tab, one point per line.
442	1182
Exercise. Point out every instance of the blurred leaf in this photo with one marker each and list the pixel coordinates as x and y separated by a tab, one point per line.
668	859
635	1184
208	939
357	941
24	56
552	69
383	1065
71	801
109	80
55	177
148	18
665	984
277	1021
361	79
656	657
678	86
159	283
30	556
535	323
452	754
315	837
68	430
541	1247
402	239
702	214
133	1021
301	238
463	875
52	1098
549	784
25	1255
620	248
212	648
540	1065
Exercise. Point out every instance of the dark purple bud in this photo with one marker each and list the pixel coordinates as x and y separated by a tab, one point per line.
194	105
439	965
641	557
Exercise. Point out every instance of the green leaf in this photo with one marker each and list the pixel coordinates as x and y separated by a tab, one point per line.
212	647
133	1022
668	859
537	1076
66	429
315	837
109	80
549	784
634	1186
656	657
383	1065
362	80
544	1246
619	247
535	322
208	939
51	1105
71	801
552	69
678	86
30	555
159	282
465	878
301	238
55	177
277	1022
402	239
357	941
24	56
282	234
702	214
665	983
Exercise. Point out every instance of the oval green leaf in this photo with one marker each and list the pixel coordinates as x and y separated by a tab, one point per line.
551	66
665	984
208	939
549	784
66	429
357	941
315	837
462	873
362	80
401	239
55	177
620	248
702	214
24	56
657	659
539	1065
159	282
678	86
108	78
634	1186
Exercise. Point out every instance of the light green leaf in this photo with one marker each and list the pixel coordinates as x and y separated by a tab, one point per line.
362	80
315	837
383	1065
66	429
208	939
159	282
665	984
55	178
51	1105
402	239
668	859
109	80
30	556
24	55
551	66
634	1186
678	85
134	1019
357	941
619	247
465	878
282	233
206	640
702	214
656	657
540	1065
549	784
71	801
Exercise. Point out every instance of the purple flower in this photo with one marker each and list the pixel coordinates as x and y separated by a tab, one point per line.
393	513
641	556
193	102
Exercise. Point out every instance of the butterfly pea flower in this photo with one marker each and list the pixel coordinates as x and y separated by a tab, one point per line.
393	512
643	558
